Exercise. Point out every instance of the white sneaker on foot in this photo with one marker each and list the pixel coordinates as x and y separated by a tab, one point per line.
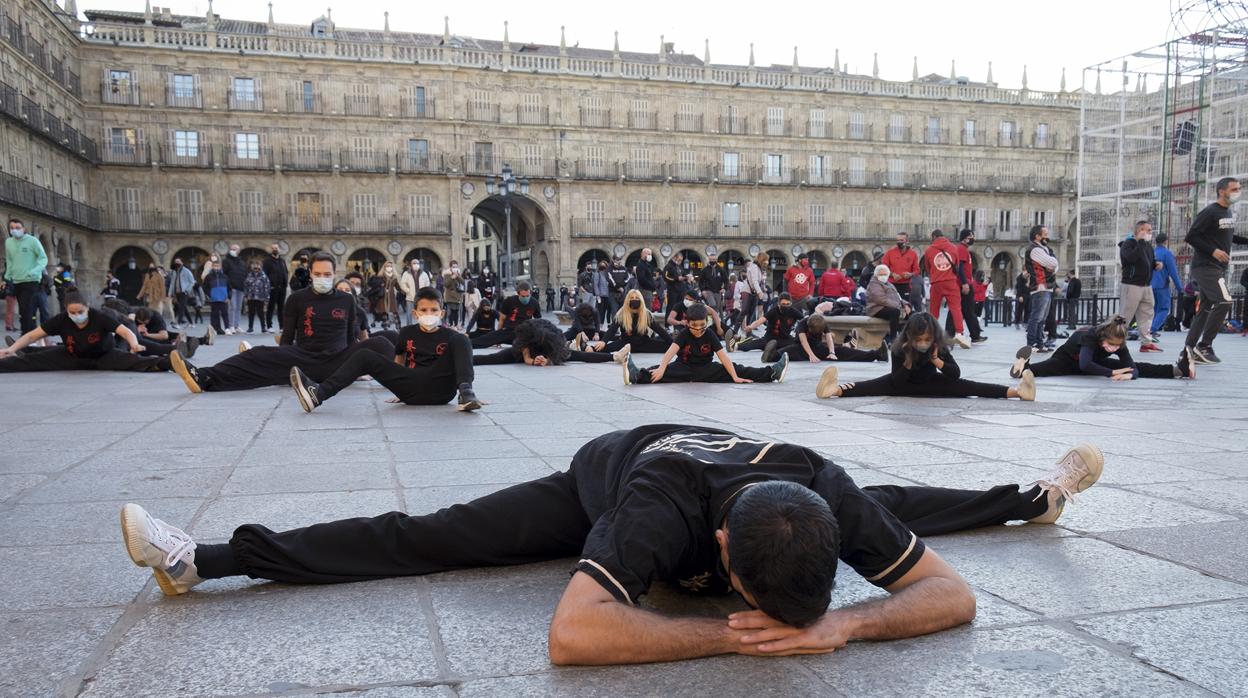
169	551
961	341
622	355
827	386
1074	472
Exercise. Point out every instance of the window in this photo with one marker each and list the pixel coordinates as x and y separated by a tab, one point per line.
641	161
643	211
531	108
592	114
190	203
594	157
532	102
968	132
119	80
732	165
686	164
245	89
419	101
971	171
247	146
687	118
897	217
250	203
933	130
775	166
483	157
934	217
818	124
125	202
364	206
309	96
418	152
595	209
307	207
1042	135
186	144
360	98
1044	218
419	206
817	213
857	217
123	141
639	115
897	127
1006	219
183	86
532	157
732	214
775	121
896	172
688	211
1007	133
857	125
857	172
305	144
818	168
775	214
975	218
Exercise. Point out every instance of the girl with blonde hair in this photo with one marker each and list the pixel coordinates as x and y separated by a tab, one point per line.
634	325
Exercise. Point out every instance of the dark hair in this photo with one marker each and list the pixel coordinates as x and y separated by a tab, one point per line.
1141	224
524	286
816	324
979	275
785	296
115	304
1162	238
1035	232
140	314
692	293
783	543
427	293
72	297
965	233
585	310
541	338
324	257
918	325
697	311
353	275
17	221
937	234
1113	330
1222	185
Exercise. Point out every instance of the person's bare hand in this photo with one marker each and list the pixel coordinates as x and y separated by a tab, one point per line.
393	400
813	358
6	353
1121	377
1221	256
540	361
768	637
739	379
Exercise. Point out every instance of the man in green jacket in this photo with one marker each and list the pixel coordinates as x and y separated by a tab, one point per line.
24	264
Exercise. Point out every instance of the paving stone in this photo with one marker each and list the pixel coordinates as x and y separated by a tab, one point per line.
19	457
1209	547
1008	449
40	650
1111	509
309	477
67	576
1202	644
882	455
968	476
12	485
1230	496
86	486
162	458
80	522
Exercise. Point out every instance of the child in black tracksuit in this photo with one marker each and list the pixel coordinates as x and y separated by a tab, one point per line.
1100	351
538	343
697	349
923	366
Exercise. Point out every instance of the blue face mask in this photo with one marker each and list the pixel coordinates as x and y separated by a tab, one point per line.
525	299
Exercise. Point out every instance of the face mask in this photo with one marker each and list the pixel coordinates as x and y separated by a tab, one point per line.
273	252
901	245
1147	237
177	265
970	242
17	233
648	258
923	346
883	278
322	284
454	268
634	304
389	271
1234	196
79	319
233	253
429	321
524	299
688	303
785	306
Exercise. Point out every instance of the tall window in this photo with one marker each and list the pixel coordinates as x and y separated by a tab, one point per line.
897	127
419	206
687	117
643	211
817	213
1042	135
933	130
686	163
305	144
360	98
896	172
190	203
1007	133
934	217
641	160
247	146
123	141
361	146
732	214
775	166
483	156
1007	219
688	211
857	216
251	208
896	218
968	132
857	125
732	165
857	171
595	209
418	97
818	168
309	96
183	86
245	89
418	152
186	144
532	157
364	207
125	202
595	159
775	214
818	123
775	121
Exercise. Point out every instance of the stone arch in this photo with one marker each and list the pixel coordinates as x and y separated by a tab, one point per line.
250	254
131	279
777	265
62	252
733	260
854	261
366	260
693	259
1003	271
193	257
541	270
429	260
818	261
594	255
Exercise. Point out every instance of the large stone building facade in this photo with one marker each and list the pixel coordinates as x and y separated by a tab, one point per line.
153	135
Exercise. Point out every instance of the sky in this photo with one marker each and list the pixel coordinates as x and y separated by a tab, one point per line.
1044	36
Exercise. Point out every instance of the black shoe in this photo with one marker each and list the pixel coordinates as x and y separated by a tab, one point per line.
192	345
631	372
186	371
881	354
781	368
1022	361
1185	365
9	340
1197	355
979	340
307	391
1207	352
769	351
468	401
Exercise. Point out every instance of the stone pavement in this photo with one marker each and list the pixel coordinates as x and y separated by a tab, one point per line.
1142	589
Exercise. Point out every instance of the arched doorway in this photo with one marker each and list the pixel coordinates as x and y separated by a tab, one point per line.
631	260
429	260
818	261
252	254
62	252
541	270
733	260
853	263
593	255
130	275
529	224
193	257
693	260
777	265
366	261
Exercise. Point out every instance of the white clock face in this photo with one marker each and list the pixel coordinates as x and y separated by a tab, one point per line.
797	250
467	188
620	249
549	192
666	250
754	250
838	251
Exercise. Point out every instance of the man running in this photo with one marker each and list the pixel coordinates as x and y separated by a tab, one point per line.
1211	236
707	510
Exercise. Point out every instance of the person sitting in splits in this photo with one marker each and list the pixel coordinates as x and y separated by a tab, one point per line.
1100	351
584	334
707	511
691	359
513	311
816	342
431	363
676	317
318	326
482	321
540	343
923	366
636	328
87	344
780	321
156	339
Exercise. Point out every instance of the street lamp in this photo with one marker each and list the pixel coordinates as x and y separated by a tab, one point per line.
505	185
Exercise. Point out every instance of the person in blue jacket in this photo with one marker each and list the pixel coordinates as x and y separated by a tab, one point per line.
1164	271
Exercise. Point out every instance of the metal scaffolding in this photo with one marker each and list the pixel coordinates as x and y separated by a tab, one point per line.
1153	148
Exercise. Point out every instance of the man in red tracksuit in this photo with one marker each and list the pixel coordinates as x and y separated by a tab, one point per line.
834	284
800	279
942	267
903	262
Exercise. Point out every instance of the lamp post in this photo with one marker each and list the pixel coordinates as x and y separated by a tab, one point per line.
505	185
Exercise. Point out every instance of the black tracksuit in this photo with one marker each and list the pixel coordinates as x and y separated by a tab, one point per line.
1213	229
278	272
656	342
512	312
779	324
924	380
434	365
695	363
1082	354
88	348
820	348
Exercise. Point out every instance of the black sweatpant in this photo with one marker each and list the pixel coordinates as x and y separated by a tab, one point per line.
1060	364
893	315
220	317
155	347
760	343
255	309
264	366
422	385
843	353
940	387
714	372
27	305
58	359
489	339
969	319
1215	303
508	356
639	345
531	522
277	301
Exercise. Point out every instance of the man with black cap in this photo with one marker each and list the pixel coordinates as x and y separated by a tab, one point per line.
965	268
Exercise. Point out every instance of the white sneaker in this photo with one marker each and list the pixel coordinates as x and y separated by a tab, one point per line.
229	330
622	355
827	386
1074	472
244	346
961	341
169	551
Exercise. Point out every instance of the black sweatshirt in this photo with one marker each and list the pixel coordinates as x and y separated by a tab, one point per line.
924	371
1137	262
1213	229
658	331
321	324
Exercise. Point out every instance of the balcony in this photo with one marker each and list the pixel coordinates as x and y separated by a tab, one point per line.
1044	141
19	192
533	116
483	112
364	161
413	108
304	103
595	118
307	160
777	127
733	125
535	168
897	134
1009	140
687	123
186	156
247	158
483	163
245	100
973	138
32	113
120	92
361	105
269	222
935	136
418	163
818	177
735	175
181	98
855	131
644	120
690	173
783	175
817	129
597	169
126	154
622	228
644	171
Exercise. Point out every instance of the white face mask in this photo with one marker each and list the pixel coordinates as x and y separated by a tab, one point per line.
429	321
79	319
322	284
17	233
1234	196
455	268
648	258
233	253
1146	236
689	303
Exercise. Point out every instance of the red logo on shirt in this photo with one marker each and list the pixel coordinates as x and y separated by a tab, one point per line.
440	349
93	338
410	352
308	314
338	314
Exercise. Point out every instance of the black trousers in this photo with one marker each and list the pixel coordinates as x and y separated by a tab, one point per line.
489	339
58	359
969	318
760	343
714	372
1215	303
843	353
153	347
27	305
530	522
270	365
639	345
1072	312
277	302
940	387
180	310
1059	364
893	315
220	318
508	356
255	309
422	385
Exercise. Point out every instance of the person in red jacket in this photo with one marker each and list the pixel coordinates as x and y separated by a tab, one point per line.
904	263
942	265
800	279
834	284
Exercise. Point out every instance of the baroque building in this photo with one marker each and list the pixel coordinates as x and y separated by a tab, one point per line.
152	135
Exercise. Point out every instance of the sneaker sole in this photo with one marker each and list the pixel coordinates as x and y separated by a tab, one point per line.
305	399
783	372
962	343
470	406
130	533
1021	358
179	367
627	380
826	382
1027	388
1094	459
